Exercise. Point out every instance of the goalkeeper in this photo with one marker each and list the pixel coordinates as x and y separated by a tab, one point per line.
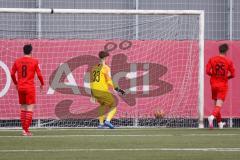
100	81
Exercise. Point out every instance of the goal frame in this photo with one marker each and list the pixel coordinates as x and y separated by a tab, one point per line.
199	13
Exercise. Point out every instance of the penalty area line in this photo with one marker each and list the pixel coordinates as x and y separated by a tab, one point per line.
124	149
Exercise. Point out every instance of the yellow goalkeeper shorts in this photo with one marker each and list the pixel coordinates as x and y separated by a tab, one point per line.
104	98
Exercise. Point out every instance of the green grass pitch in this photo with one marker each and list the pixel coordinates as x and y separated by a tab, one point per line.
121	144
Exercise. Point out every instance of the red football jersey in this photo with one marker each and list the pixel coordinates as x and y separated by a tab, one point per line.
26	67
220	68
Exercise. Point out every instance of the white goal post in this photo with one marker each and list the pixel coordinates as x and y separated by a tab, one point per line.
198	13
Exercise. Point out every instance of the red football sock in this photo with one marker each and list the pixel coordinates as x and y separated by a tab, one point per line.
28	120
219	117
217	113
23	118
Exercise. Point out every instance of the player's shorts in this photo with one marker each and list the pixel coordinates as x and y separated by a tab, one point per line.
104	98
219	92
27	96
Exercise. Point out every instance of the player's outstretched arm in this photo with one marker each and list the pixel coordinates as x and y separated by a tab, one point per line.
111	83
107	74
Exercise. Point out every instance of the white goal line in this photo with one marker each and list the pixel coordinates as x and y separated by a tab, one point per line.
123	149
120	135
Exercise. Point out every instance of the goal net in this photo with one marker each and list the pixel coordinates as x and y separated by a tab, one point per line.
156	56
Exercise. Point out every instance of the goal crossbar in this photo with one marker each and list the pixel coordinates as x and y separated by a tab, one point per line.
101	11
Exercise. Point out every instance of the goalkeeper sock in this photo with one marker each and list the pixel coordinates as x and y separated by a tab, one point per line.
111	113
28	120
23	118
101	117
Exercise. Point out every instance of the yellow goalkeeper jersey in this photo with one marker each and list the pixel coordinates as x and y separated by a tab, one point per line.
100	78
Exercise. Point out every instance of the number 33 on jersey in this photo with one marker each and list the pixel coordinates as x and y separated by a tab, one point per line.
101	78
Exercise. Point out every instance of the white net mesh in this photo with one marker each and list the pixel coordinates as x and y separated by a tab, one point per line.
154	58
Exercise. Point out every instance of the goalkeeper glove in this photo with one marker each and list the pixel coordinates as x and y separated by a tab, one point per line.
119	90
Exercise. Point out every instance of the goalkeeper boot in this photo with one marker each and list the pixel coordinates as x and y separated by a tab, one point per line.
221	125
109	124
101	126
210	121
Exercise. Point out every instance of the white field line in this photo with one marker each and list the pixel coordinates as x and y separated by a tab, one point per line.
119	135
89	129
108	130
124	149
116	129
93	135
213	134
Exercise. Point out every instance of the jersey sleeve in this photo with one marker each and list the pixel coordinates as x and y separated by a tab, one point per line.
107	74
231	70
209	68
39	74
13	72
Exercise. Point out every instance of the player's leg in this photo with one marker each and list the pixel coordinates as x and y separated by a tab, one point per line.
98	96
214	97
29	115
216	114
30	108
218	94
110	102
23	109
23	118
217	110
221	94
101	115
111	113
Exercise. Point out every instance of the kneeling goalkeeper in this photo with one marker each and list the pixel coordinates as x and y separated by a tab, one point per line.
100	81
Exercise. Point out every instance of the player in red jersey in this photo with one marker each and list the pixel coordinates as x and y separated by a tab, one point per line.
26	67
220	69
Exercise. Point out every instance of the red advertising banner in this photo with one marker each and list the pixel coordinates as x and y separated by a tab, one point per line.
158	75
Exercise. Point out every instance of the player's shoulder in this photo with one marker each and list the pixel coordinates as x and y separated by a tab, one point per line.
229	61
220	58
27	59
106	67
215	57
94	67
19	60
34	60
